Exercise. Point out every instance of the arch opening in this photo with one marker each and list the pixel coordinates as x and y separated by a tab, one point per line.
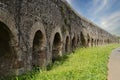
73	43
97	42
78	39
38	54
7	52
88	40
57	47
92	42
108	41
67	44
83	42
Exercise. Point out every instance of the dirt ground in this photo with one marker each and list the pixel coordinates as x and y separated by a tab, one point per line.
114	65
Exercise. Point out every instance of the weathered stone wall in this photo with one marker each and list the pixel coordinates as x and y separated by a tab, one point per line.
40	31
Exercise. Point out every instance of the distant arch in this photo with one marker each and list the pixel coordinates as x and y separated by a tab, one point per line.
66	47
83	42
108	41
88	40
73	43
67	44
92	42
97	42
78	39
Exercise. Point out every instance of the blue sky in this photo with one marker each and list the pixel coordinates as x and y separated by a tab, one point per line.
104	13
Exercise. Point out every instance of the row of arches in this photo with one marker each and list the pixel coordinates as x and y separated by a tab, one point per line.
58	43
95	42
38	42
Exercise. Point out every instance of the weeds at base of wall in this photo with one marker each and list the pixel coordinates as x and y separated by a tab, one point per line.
83	64
57	63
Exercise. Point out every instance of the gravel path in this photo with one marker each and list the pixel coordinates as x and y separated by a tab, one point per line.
114	65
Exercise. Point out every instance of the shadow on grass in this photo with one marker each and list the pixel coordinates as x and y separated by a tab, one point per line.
57	63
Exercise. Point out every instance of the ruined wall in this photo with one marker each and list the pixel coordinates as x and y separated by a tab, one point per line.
40	31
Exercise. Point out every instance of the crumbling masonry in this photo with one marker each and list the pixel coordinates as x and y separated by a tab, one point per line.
34	33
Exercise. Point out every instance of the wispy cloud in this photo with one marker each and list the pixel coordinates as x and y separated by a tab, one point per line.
108	21
111	22
99	8
100	5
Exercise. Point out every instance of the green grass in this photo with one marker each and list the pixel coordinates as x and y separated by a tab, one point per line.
84	64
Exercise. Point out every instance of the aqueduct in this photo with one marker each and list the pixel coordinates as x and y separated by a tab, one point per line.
37	32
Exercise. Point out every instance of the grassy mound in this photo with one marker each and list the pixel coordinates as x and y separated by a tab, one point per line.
84	64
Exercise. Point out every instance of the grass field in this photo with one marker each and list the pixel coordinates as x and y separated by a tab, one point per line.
84	64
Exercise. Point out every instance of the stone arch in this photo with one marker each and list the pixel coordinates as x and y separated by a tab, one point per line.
56	44
8	19
108	41
101	42
92	42
82	37
73	43
8	45
105	41
97	42
67	42
78	39
88	40
7	52
56	47
38	45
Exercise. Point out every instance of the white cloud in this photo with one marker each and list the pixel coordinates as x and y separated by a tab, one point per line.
98	6
111	22
102	6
